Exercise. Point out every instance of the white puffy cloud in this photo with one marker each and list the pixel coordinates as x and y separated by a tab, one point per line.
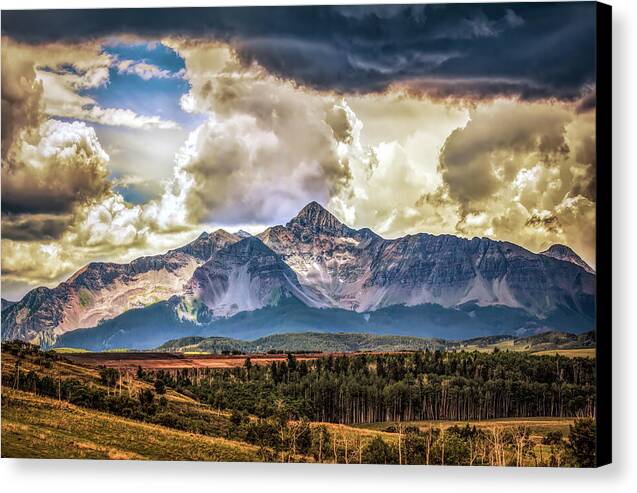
110	221
53	168
34	263
61	99
266	149
145	70
393	160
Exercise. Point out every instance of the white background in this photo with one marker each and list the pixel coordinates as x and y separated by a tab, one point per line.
155	477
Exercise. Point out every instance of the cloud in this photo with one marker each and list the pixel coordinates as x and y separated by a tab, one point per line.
61	99
47	80
527	50
115	117
59	207
53	168
35	227
110	222
392	153
477	159
507	170
266	149
527	170
145	70
34	262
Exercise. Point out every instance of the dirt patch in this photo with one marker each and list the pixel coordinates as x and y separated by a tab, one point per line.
168	361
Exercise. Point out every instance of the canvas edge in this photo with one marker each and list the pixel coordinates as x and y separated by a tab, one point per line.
603	255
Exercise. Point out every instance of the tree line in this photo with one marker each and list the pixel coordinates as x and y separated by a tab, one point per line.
429	385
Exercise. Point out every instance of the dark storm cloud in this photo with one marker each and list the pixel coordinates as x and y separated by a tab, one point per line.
34	227
550	223
539	50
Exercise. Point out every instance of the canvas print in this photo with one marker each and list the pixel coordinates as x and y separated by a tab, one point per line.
326	234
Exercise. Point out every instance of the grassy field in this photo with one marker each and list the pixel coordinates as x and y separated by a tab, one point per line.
69	350
569	353
40	427
537	426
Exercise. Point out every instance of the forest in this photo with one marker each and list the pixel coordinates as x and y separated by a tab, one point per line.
423	385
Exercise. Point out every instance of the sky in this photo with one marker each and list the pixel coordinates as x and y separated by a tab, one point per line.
128	132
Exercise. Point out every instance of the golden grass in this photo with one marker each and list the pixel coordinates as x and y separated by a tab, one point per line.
537	425
569	353
69	350
65	370
39	427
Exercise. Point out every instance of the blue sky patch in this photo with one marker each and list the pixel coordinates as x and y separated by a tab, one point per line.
156	96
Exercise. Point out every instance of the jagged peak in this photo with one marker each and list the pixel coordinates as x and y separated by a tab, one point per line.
317	217
215	235
560	248
246	249
250	244
563	252
222	233
311	210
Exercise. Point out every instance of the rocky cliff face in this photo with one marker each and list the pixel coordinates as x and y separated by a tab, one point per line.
452	271
331	260
243	276
101	291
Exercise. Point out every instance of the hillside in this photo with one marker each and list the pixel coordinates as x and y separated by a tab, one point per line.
350	342
305	341
41	427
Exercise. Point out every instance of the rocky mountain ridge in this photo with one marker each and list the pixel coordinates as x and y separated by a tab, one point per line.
324	265
102	290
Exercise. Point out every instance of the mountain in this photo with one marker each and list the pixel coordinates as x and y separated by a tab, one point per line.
6	304
562	252
348	342
243	276
358	270
103	290
312	274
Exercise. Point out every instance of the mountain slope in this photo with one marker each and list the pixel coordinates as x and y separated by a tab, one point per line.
243	276
149	327
6	304
351	342
562	252
102	290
